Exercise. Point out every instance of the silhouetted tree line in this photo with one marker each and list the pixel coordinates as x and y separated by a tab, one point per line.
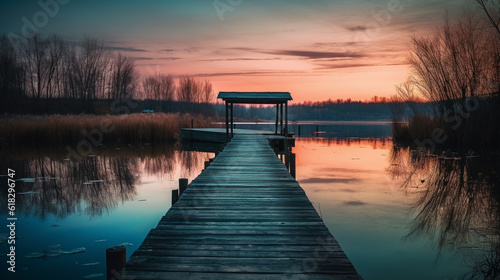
457	68
325	111
36	72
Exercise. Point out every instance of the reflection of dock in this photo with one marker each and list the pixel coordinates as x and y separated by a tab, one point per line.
243	217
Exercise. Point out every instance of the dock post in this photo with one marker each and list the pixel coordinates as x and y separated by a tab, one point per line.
183	183
227	122
116	258
292	165
281	119
232	120
277	118
175	196
192	123
286	119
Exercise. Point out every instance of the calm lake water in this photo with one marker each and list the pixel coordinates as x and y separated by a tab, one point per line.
400	214
114	198
397	213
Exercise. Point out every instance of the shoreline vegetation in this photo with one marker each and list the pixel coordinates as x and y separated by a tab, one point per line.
457	71
98	130
60	92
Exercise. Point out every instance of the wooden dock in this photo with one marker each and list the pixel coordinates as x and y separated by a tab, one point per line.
216	135
243	217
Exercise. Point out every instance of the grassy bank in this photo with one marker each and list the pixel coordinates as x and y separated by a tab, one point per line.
107	129
458	130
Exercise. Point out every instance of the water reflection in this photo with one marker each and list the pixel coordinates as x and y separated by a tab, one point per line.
50	185
457	204
375	143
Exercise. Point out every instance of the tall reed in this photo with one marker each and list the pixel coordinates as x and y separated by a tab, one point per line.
58	129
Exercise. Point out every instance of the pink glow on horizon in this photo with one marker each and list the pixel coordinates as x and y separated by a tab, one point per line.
359	83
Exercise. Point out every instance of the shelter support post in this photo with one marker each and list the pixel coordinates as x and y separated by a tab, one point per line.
277	116
286	119
281	118
227	121
232	120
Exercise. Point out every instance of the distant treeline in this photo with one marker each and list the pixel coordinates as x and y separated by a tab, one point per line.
325	111
43	70
71	106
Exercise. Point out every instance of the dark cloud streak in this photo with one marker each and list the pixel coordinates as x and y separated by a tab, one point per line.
240	59
169	58
247	73
314	54
356	28
125	49
303	54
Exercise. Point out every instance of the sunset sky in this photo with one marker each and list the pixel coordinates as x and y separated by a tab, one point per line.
314	49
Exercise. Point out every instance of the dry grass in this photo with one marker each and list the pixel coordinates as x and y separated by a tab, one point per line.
477	130
133	128
419	127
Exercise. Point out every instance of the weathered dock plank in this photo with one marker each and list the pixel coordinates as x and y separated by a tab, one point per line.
243	217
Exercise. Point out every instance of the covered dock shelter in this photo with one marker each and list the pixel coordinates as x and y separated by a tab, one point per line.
279	98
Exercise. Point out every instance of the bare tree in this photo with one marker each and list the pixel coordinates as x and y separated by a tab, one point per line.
450	65
149	86
159	87
123	78
192	90
167	87
189	89
43	65
492	11
88	76
69	74
56	49
406	92
35	65
47	68
11	70
207	91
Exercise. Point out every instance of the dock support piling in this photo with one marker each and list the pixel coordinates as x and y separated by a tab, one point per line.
192	123
292	165
281	119
286	120
286	152
299	131
277	118
232	120
183	183
116	258
175	196
227	121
